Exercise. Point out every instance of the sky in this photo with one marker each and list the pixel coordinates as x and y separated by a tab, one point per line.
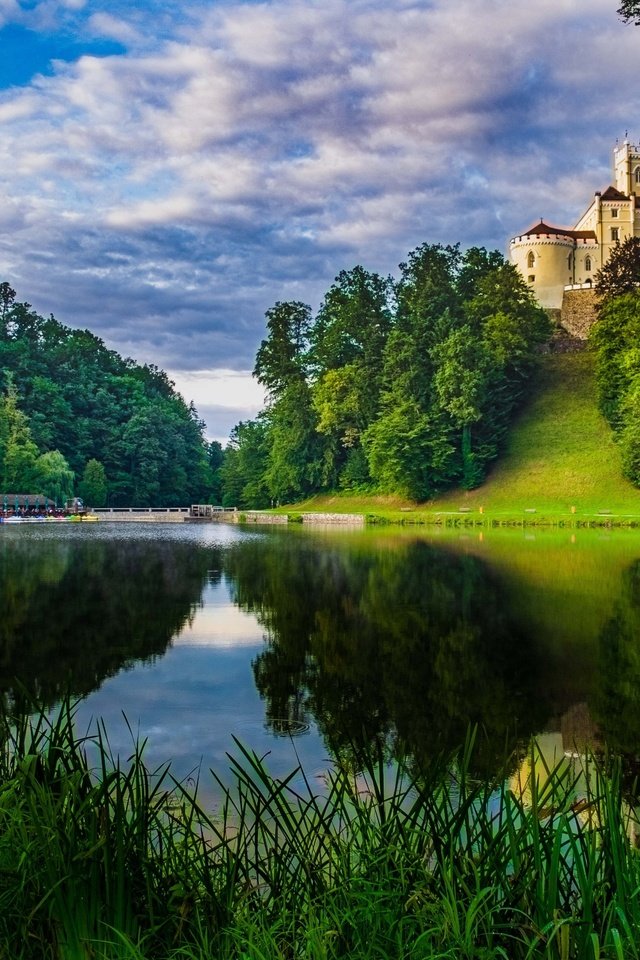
168	171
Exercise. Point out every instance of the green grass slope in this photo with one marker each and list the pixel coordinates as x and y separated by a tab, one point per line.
560	455
561	452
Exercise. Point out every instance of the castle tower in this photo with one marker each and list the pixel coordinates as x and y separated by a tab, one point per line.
626	168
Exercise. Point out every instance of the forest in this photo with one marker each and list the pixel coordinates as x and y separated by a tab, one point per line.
77	419
405	386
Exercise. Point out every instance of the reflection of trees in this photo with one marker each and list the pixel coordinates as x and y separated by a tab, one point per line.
616	704
409	645
77	611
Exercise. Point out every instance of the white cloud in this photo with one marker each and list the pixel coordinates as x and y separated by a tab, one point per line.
230	389
9	10
113	28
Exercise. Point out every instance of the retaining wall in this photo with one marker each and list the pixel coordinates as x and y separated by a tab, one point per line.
578	312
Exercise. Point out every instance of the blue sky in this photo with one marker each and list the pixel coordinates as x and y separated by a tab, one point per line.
169	171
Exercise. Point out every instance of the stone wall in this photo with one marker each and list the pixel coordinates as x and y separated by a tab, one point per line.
578	312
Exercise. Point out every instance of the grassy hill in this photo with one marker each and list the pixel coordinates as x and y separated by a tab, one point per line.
560	455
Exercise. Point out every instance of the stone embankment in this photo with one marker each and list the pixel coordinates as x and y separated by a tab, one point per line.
317	519
346	519
182	514
252	516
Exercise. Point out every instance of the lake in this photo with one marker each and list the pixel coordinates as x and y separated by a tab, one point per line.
308	643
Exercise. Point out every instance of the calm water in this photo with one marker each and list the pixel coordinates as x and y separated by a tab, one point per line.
198	634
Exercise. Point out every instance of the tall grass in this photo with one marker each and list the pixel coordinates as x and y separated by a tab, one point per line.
103	859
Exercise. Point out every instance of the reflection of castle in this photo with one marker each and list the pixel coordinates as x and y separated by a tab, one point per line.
559	262
576	738
560	762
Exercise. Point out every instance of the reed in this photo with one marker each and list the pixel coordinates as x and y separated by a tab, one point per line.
107	860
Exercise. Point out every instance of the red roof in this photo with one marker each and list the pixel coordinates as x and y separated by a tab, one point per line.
545	229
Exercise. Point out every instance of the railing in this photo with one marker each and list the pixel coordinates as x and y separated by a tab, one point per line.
107	510
204	511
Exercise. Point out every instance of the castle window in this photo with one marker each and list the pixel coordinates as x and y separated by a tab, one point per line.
531	278
531	260
637	175
569	259
587	263
614	213
615	233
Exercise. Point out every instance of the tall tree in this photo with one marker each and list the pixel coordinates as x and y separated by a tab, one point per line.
7	298
281	357
462	380
412	427
347	348
294	459
629	10
245	464
18	452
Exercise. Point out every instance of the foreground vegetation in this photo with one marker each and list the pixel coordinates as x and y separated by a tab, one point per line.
104	860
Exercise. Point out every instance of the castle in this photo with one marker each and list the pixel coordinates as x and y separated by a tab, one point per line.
560	264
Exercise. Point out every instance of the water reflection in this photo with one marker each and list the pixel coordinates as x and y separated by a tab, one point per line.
616	703
407	646
344	640
76	610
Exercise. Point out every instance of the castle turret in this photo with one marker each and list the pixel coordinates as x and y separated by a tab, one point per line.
547	258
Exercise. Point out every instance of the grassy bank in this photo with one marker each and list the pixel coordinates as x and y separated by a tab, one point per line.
110	861
560	465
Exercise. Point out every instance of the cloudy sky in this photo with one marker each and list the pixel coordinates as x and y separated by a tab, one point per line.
169	170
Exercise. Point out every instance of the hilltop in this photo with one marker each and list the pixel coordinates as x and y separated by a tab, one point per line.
560	454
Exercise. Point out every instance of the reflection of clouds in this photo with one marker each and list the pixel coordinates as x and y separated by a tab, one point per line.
219	623
221	626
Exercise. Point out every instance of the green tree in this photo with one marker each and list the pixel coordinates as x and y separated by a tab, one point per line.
621	272
93	487
346	354
7	298
18	452
353	321
614	338
462	381
245	465
294	460
281	357
53	477
216	460
475	264
629	10
412	427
